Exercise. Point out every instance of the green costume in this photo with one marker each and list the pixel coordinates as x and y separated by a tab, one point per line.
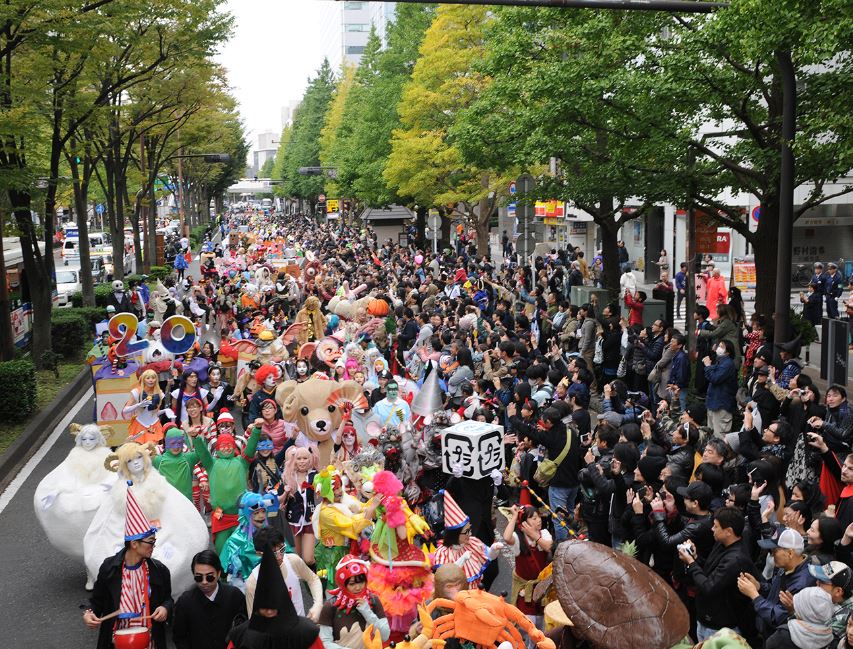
228	474
177	468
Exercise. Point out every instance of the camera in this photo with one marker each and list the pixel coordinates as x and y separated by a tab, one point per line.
687	548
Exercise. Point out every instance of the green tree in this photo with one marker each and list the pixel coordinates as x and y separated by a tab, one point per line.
424	162
303	149
266	169
329	141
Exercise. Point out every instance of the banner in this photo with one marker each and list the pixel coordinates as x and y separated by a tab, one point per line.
743	277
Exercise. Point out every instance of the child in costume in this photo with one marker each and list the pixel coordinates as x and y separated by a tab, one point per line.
531	546
300	469
265	469
228	474
461	547
338	520
176	465
66	500
353	607
238	557
400	573
143	408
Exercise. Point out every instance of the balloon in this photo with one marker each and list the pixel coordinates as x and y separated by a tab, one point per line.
419	259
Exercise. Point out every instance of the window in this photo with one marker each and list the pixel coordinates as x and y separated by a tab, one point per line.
355	49
353	6
358	27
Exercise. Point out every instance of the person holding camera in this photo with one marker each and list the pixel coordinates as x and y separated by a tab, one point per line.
595	506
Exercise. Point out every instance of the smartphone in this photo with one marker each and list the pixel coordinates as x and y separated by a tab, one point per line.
586	438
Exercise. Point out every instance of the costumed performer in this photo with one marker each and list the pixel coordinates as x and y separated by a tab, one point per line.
274	623
133	583
238	557
460	546
66	499
311	314
175	464
531	546
182	531
392	411
143	408
400	572
352	608
228	474
188	389
338	519
300	469
293	570
266	378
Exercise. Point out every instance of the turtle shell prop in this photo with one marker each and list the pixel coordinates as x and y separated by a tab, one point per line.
615	601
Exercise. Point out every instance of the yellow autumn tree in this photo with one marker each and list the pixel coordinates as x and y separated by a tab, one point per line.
329	144
424	163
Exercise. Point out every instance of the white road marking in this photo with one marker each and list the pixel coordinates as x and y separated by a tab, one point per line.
19	480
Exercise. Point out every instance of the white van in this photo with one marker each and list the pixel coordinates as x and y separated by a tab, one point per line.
67	283
70	248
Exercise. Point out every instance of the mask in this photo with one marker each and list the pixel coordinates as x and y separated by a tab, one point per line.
88	441
721	350
136	465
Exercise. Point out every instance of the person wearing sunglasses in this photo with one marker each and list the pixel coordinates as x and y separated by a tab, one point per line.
205	613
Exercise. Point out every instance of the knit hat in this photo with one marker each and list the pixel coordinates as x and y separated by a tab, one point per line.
136	524
813	607
697	412
454	517
225	417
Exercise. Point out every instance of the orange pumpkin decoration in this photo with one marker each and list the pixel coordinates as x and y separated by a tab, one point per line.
378	308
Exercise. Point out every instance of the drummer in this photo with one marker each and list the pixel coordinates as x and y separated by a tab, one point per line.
133	591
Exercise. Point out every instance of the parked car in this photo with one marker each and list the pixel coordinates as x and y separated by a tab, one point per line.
67	283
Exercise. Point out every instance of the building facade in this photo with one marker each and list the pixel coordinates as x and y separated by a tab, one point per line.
346	26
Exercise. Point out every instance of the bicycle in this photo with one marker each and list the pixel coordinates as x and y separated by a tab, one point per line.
802	275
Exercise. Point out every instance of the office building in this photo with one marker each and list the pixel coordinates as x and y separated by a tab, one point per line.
346	27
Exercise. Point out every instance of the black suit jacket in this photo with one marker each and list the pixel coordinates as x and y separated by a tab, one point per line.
203	624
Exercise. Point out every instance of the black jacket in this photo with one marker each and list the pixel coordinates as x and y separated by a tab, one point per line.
554	441
107	591
203	624
719	603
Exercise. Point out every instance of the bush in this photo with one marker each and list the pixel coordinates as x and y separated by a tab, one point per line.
197	234
77	299
70	332
803	328
132	278
160	272
91	314
102	294
18	383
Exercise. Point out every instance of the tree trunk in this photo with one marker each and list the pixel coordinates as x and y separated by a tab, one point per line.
482	221
610	255
420	227
38	271
444	239
81	206
765	243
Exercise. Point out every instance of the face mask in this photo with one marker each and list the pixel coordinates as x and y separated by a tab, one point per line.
721	351
88	442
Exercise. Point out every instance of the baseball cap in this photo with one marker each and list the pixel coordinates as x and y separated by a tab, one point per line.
836	573
762	371
784	538
699	491
111	308
697	412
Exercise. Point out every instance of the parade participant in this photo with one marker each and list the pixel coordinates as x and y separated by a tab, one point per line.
392	411
294	571
400	572
181	530
196	419
353	607
67	498
133	584
274	623
338	519
119	299
238	556
530	546
245	388
101	347
311	314
142	408
176	465
302	370
460	546
205	613
348	447
273	426
300	469
266	378
265	469
189	388
228	473
219	393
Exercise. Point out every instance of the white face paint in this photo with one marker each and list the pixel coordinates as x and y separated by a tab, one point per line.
137	464
301	369
88	441
269	383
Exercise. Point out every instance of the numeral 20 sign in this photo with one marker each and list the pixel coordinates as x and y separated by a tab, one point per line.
177	334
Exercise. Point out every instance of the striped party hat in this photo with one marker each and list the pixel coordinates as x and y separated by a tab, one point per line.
454	517
136	524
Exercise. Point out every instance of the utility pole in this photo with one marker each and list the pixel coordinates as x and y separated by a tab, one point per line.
184	232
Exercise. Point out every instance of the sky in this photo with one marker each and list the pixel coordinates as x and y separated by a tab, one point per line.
275	48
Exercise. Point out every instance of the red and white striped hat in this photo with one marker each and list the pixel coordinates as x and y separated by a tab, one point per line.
454	517
136	524
225	417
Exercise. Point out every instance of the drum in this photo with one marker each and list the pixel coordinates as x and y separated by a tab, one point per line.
135	637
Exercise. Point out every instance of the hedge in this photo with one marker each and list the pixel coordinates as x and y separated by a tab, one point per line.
159	272
18	384
70	332
91	314
102	293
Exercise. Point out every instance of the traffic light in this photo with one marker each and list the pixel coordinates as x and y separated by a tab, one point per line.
217	157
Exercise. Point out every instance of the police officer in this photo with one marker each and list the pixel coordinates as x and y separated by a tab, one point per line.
819	282
834	287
